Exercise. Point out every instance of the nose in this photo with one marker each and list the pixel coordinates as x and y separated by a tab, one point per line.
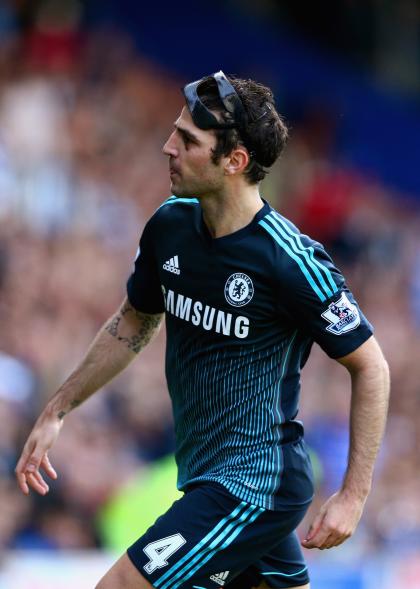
170	147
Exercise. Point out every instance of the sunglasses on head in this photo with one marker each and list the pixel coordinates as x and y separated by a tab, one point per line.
202	116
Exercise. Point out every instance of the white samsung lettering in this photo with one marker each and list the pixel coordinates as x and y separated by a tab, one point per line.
196	318
205	316
170	301
183	307
241	327
208	317
223	322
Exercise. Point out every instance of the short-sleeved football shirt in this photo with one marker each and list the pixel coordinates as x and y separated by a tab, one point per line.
242	312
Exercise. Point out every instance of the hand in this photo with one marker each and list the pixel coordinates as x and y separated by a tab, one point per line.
34	456
335	522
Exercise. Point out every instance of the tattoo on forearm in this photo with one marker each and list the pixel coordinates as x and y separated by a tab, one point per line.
135	342
75	403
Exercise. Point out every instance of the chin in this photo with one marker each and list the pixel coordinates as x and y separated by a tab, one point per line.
181	192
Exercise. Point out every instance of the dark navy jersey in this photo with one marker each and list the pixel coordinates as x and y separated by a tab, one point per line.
242	312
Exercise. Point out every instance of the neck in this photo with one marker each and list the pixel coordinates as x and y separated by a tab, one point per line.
231	210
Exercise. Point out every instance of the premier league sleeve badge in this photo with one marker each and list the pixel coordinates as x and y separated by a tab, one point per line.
342	316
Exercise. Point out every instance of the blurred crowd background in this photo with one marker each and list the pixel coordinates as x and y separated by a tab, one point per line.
83	116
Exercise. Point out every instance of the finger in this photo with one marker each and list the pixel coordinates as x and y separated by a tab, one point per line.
327	543
318	541
38	452
35	483
39	486
337	539
318	538
23	485
20	469
34	461
48	467
41	481
26	452
340	541
315	526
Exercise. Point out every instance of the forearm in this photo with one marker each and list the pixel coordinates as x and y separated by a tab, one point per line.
339	515
369	406
105	359
118	342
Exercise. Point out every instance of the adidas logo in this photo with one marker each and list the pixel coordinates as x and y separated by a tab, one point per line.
220	578
172	265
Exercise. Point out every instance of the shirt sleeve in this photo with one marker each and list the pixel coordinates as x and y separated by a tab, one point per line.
143	286
320	302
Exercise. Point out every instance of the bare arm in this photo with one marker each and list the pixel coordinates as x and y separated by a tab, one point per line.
117	343
369	407
122	337
339	516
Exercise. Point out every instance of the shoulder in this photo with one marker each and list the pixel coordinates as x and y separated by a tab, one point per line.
299	258
284	233
177	205
172	211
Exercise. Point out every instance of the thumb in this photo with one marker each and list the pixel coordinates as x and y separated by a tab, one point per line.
314	527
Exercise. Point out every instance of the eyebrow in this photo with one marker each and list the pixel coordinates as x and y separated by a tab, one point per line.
187	133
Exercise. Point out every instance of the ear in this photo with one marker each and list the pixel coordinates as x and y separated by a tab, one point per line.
236	161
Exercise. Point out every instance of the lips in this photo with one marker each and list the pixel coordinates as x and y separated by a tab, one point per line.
173	169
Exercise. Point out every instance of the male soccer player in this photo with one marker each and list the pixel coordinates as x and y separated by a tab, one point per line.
245	295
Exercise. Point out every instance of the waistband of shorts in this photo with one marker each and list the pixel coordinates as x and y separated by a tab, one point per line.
209	483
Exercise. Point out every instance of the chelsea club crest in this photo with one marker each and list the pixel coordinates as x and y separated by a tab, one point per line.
239	289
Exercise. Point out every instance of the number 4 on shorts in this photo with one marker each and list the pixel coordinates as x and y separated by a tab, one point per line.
160	550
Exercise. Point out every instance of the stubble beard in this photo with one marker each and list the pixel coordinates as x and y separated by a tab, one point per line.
194	190
184	191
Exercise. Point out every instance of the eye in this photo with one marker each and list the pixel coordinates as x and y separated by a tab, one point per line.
186	140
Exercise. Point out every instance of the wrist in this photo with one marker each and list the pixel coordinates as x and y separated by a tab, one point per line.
356	491
60	405
53	413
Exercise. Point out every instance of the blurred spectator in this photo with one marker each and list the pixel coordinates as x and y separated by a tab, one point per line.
8	22
55	41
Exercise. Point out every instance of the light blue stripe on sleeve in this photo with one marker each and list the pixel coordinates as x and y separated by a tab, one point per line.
302	252
295	257
310	249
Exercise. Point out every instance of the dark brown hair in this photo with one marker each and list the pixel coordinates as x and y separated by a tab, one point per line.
263	132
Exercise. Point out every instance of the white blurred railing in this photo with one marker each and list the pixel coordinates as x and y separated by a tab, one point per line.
82	570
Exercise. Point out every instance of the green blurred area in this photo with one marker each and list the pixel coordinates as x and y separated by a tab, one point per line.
138	504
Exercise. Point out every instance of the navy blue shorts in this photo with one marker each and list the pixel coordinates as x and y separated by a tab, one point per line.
210	539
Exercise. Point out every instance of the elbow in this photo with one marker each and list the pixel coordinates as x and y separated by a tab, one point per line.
378	367
381	367
386	376
377	378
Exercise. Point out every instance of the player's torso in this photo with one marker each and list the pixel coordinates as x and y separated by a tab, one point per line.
231	348
220	287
